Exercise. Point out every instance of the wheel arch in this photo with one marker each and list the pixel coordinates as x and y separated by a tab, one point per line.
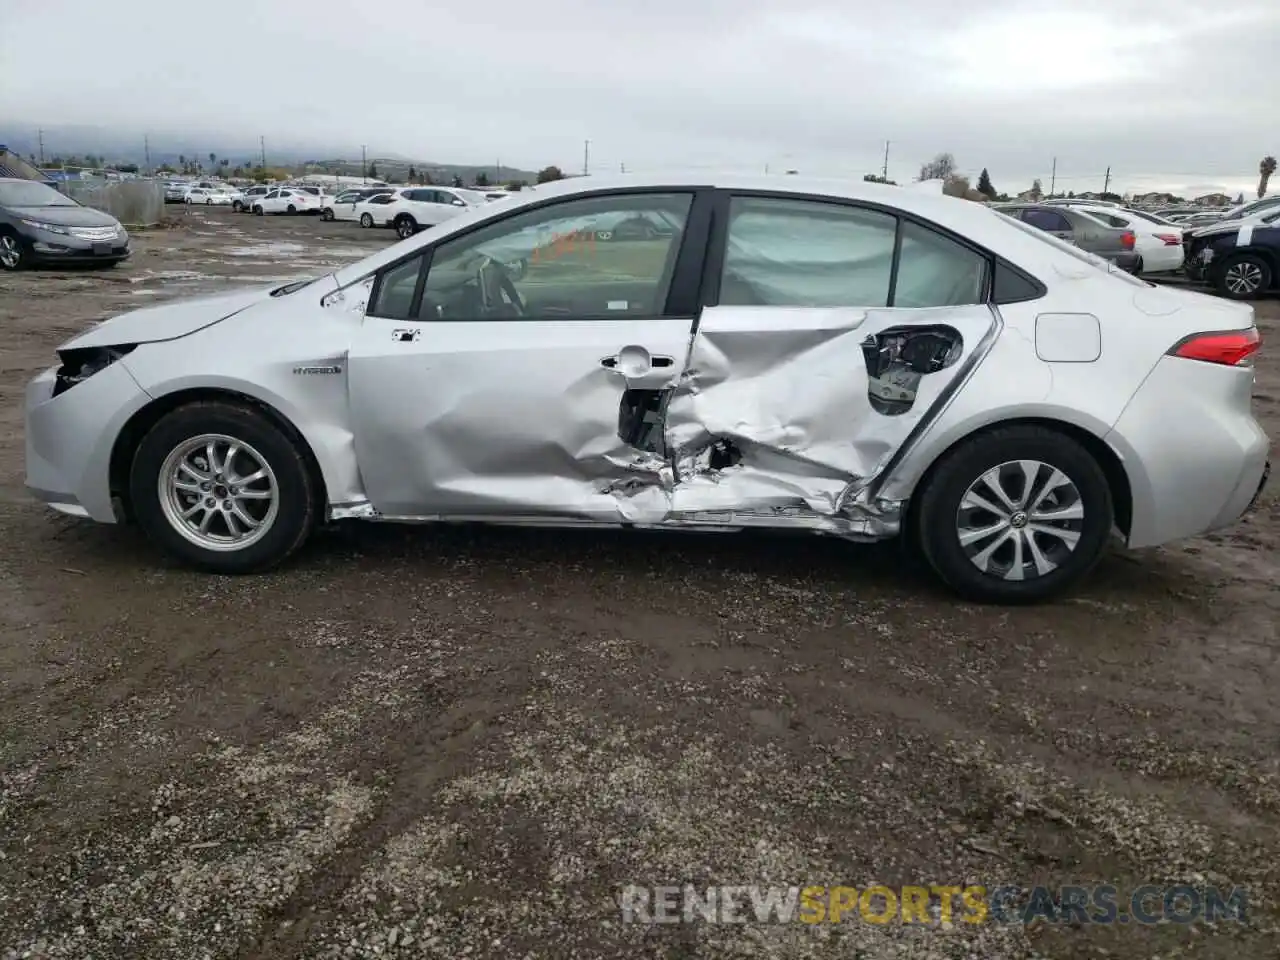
1266	254
1107	458
142	420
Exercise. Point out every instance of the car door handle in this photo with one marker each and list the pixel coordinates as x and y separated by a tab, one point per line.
613	363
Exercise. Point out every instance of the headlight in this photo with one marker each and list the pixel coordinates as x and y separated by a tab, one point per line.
47	227
80	364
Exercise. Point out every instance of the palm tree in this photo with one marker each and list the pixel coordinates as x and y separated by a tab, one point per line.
1265	171
213	159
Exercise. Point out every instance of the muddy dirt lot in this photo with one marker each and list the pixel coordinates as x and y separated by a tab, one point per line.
415	742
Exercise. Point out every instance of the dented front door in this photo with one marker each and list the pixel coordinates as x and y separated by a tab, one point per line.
477	408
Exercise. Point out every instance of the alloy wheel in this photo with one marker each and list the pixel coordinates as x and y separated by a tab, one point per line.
10	252
218	492
1243	278
1020	520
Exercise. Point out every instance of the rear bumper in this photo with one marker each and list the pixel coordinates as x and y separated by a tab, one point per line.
1195	457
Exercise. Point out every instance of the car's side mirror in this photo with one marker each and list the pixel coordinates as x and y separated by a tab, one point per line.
459	203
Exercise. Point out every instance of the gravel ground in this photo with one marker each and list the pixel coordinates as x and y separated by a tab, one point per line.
415	742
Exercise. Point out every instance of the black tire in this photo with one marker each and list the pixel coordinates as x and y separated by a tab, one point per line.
405	226
935	514
236	206
326	214
297	498
1245	276
16	251
291	209
209	202
257	209
366	220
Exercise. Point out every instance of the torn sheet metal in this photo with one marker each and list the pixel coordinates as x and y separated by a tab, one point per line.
790	390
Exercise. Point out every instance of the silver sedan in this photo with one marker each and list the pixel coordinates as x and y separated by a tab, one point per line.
851	359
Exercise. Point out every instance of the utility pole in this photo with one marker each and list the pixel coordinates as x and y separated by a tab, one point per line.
586	157
40	136
262	144
622	168
146	151
766	169
1106	184
364	163
1053	176
884	174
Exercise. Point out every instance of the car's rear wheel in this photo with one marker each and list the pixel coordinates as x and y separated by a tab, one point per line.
257	209
1014	515
237	206
406	227
222	488
326	214
366	220
13	254
1243	277
291	209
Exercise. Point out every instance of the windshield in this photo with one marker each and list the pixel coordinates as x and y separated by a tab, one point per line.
31	194
472	196
1069	248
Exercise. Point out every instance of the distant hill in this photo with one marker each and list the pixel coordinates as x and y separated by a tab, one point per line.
114	146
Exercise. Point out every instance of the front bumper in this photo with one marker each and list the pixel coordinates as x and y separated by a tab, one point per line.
47	247
69	438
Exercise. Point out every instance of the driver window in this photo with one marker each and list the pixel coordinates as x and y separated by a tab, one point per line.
589	258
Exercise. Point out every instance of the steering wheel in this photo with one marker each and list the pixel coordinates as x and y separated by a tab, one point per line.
495	283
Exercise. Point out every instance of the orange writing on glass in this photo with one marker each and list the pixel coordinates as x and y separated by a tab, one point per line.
581	242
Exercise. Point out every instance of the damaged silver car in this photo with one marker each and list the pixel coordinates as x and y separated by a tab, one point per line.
850	359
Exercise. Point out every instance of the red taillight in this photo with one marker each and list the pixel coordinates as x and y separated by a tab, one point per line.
1170	239
1126	239
1230	349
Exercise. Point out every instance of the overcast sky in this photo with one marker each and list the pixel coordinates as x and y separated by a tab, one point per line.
1171	94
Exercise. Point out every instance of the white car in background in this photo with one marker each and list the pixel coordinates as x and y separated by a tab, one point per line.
247	198
206	196
1158	244
286	200
410	209
343	206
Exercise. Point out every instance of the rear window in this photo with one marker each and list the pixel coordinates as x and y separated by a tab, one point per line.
1106	266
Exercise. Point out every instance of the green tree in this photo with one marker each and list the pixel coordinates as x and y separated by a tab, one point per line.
515	185
413	175
547	174
876	178
984	184
482	179
457	181
373	171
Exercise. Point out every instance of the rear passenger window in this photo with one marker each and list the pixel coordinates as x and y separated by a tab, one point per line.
935	271
803	253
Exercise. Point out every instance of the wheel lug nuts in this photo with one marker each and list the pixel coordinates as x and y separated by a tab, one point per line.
210	502
226	504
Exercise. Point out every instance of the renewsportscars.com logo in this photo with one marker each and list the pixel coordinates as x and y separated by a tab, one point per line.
932	905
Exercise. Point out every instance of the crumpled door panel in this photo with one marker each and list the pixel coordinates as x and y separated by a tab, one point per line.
787	411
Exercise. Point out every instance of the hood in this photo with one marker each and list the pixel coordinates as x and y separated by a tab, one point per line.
66	216
168	321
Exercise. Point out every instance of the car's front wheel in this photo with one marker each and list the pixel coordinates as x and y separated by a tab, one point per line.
236	206
326	214
13	255
291	209
257	209
1243	277
1013	515
222	488
366	220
